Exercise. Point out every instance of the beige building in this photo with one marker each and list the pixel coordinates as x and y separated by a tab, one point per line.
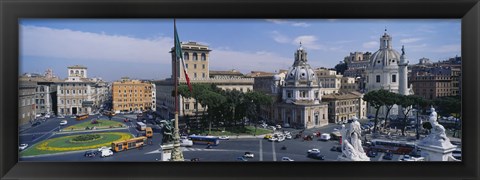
132	95
78	94
348	84
198	72
329	80
344	106
26	101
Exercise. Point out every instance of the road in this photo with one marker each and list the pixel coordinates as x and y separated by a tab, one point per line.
227	150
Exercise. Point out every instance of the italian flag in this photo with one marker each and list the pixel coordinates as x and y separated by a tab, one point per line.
179	55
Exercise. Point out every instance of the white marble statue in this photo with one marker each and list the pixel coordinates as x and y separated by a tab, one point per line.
437	136
352	144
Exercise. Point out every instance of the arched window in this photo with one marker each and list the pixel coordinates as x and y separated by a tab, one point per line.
71	71
203	57
82	72
195	56
186	56
76	72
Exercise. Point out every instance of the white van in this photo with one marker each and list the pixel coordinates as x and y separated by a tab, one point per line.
325	137
107	152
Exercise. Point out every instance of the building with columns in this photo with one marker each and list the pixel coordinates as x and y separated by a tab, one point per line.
78	94
388	70
197	59
301	96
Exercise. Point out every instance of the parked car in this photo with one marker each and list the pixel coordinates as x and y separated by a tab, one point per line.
372	153
388	156
36	123
241	158
273	139
60	116
286	159
63	122
278	126
104	148
186	142
224	137
22	147
268	136
90	153
325	137
311	151
336	148
288	136
316	156
106	153
248	155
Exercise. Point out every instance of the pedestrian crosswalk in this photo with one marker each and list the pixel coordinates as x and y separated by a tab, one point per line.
200	149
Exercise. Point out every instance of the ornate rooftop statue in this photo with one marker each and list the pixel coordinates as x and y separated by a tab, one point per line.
167	131
437	136
352	149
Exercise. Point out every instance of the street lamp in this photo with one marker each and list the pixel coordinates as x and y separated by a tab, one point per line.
417	124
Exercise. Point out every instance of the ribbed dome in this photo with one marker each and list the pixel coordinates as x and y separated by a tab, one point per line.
301	72
384	57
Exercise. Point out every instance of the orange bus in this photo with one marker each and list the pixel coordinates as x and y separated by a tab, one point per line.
148	132
129	144
81	117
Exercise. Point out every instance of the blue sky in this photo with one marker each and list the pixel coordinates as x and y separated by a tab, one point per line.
138	48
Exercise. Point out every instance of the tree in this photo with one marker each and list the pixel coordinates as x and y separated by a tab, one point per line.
255	100
389	99
341	68
373	99
214	102
406	102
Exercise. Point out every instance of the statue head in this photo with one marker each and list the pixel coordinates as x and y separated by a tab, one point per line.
354	118
432	109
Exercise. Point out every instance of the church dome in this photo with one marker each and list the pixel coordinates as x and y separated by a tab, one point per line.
301	72
386	55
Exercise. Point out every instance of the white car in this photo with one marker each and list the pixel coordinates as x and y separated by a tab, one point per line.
224	137
106	153
22	147
313	151
63	122
325	137
273	139
103	148
60	116
186	143
288	136
248	155
286	159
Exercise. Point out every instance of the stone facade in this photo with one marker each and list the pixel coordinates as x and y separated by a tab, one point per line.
26	101
132	95
345	106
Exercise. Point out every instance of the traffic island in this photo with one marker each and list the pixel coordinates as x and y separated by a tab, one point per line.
74	143
93	125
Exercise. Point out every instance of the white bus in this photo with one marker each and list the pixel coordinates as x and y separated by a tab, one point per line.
141	126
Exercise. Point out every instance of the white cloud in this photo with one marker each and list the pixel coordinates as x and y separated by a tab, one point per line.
370	44
410	40
279	37
451	48
300	24
70	44
248	61
289	22
309	41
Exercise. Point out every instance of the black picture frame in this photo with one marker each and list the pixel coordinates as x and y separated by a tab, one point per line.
11	11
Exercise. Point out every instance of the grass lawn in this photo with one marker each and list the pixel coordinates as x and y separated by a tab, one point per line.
248	130
102	124
63	144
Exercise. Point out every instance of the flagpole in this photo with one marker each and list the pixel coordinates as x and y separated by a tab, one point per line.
177	154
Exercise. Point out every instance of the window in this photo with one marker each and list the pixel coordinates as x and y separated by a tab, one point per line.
68	101
203	74
187	106
186	56
73	91
195	75
378	78
394	78
289	94
194	66
195	56
61	92
68	91
203	66
203	57
62	102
